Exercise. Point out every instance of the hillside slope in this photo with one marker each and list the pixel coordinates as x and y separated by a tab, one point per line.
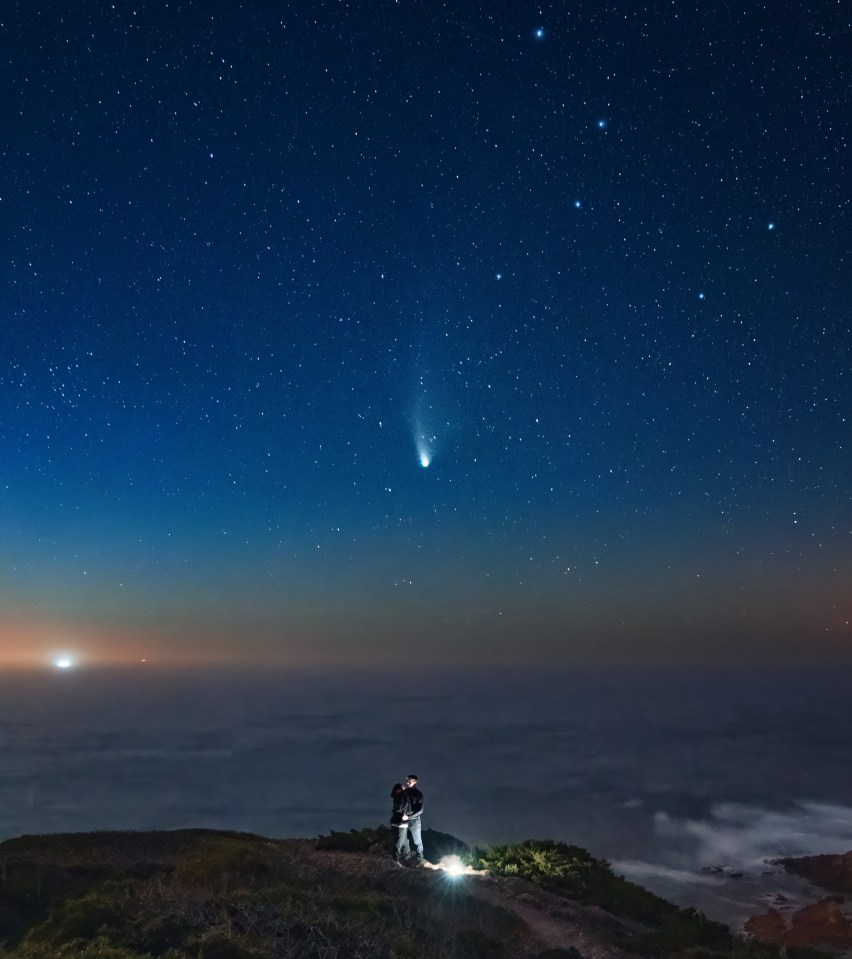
201	894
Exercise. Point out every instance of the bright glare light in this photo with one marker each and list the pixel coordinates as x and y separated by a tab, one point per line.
63	662
425	460
453	866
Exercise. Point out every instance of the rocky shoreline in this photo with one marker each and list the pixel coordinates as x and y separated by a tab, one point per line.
825	924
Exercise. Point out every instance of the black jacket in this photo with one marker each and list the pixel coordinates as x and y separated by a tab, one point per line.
415	802
408	802
400	804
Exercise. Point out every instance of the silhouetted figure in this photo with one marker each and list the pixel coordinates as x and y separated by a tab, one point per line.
406	818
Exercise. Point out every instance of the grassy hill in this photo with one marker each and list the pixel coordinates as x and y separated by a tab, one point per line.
202	894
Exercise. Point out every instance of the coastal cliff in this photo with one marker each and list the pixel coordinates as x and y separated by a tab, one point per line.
202	894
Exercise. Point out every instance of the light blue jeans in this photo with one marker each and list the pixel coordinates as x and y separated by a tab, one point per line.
413	829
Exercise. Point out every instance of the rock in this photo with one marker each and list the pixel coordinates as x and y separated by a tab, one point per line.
822	923
833	873
769	927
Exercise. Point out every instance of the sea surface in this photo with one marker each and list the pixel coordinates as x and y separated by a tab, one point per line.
689	781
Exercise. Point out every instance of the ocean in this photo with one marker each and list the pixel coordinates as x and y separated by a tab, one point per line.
688	780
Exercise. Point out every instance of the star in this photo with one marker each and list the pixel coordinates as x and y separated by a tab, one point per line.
539	33
602	123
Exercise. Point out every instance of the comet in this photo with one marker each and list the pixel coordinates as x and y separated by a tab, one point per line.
424	453
425	439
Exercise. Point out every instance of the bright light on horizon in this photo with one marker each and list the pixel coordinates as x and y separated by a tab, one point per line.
63	662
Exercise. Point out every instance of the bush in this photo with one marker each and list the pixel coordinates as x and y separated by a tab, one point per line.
574	872
358	840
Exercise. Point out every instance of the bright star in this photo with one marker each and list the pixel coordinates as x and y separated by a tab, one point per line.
578	204
539	33
498	276
701	296
603	123
770	226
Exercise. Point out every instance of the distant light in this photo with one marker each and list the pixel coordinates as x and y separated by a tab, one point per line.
498	276
770	226
701	296
603	123
539	33
453	866
578	204
63	662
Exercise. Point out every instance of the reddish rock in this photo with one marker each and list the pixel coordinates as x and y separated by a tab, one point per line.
769	927
823	923
830	872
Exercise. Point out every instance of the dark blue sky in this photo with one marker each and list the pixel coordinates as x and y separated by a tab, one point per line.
592	263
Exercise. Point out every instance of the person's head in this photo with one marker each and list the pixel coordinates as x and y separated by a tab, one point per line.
411	781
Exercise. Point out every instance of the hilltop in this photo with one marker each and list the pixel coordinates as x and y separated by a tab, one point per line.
203	894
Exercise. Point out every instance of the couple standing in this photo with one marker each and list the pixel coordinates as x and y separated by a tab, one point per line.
407	810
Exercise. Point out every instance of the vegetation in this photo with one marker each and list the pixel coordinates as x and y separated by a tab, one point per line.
202	895
668	930
199	894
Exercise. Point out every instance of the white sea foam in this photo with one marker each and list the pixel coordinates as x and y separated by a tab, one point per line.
640	871
745	836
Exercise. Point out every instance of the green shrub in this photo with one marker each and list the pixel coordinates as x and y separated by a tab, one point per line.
574	872
76	919
543	861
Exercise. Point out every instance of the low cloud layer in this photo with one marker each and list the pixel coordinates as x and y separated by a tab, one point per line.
737	835
672	769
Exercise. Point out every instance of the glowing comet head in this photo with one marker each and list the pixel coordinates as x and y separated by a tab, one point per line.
425	448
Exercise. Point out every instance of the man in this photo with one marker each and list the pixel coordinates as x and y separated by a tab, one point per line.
407	813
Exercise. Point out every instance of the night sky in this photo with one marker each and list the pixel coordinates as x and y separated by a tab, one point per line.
413	332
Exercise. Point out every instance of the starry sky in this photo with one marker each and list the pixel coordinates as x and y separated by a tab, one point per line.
402	332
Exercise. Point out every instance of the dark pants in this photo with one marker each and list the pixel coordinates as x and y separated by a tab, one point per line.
401	849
